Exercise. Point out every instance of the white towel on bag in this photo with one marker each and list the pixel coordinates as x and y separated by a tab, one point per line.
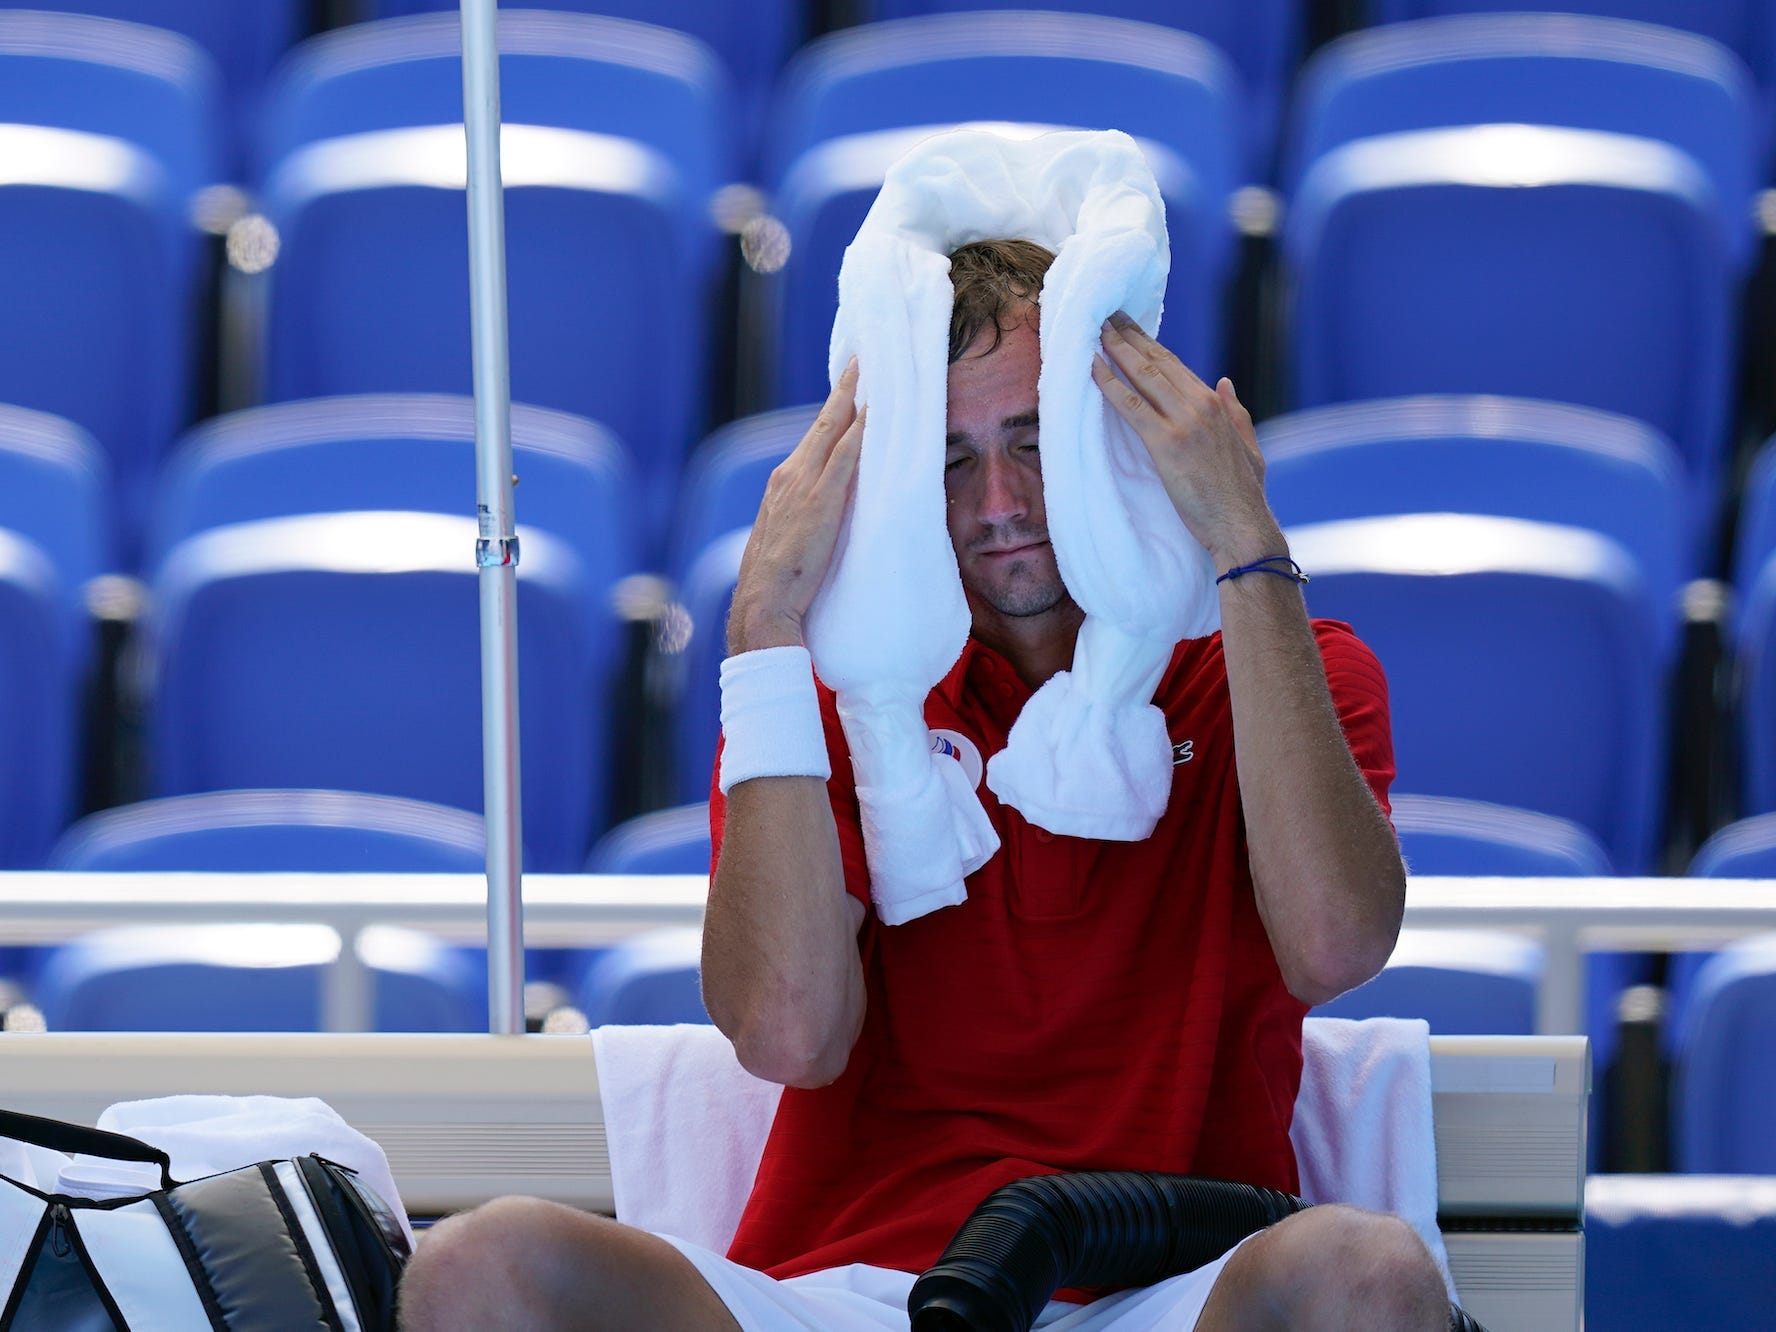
1089	755
206	1135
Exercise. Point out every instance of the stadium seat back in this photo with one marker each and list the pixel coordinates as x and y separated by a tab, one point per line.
1754	644
1443	835
340	651
1540	69
1511	458
1263	38
665	841
248	978
1490	260
125	80
106	135
1669	1253
58	486
707	593
752	40
1462	982
246	832
1522	663
40	687
413	452
725	478
1745	26
1724	1064
648	979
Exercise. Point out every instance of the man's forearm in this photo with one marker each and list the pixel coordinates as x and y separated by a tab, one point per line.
1325	864
781	975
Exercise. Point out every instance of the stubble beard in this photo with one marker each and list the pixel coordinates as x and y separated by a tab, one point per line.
1024	593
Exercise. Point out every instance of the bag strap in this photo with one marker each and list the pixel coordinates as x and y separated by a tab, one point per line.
64	1137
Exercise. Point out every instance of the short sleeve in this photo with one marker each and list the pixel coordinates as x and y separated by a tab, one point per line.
840	790
1360	697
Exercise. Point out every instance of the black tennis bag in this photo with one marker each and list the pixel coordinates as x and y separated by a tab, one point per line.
300	1243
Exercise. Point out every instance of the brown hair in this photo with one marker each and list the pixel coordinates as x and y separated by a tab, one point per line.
992	279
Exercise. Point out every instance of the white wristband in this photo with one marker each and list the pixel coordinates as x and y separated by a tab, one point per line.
770	717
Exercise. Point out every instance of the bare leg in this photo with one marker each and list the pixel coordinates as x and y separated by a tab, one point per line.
523	1262
1328	1269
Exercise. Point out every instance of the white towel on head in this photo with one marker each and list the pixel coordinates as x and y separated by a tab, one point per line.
1089	756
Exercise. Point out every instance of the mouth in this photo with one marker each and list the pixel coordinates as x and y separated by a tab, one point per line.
1011	552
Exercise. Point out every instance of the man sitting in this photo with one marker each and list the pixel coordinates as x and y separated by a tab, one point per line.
1092	1005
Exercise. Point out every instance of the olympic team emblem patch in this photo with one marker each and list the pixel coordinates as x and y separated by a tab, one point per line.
960	748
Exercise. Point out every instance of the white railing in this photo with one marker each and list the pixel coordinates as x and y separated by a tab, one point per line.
1571	916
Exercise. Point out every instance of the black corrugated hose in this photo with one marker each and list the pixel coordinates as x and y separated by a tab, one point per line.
1094	1228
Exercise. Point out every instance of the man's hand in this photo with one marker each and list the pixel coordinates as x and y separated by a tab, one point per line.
798	526
1201	440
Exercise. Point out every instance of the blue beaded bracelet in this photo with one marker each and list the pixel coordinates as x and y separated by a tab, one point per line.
1292	573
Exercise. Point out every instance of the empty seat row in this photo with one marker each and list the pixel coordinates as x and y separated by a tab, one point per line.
1464	195
312	615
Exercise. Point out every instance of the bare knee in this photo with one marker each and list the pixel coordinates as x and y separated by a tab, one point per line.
1333	1267
462	1260
524	1262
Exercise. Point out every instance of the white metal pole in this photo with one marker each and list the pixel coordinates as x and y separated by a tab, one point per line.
496	551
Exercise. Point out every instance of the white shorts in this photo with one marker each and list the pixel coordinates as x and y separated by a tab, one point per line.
867	1299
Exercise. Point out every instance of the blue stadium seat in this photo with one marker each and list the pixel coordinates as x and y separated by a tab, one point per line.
1262	37
275	831
1742	850
648	979
1539	69
1754	636
724	478
1508	457
614	141
705	596
340	651
854	101
1522	661
1431	251
400	451
244	40
1745	26
665	841
1724	1064
249	978
1441	835
40	686
58	488
753	39
106	130
1462	982
1672	1253
1756	538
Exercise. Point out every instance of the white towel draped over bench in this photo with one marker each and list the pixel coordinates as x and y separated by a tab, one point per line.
686	1125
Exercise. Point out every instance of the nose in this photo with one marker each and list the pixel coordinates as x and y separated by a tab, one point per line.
1005	491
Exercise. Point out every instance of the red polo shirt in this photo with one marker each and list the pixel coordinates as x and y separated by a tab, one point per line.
1092	1005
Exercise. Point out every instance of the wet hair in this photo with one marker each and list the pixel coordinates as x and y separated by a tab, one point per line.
993	279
